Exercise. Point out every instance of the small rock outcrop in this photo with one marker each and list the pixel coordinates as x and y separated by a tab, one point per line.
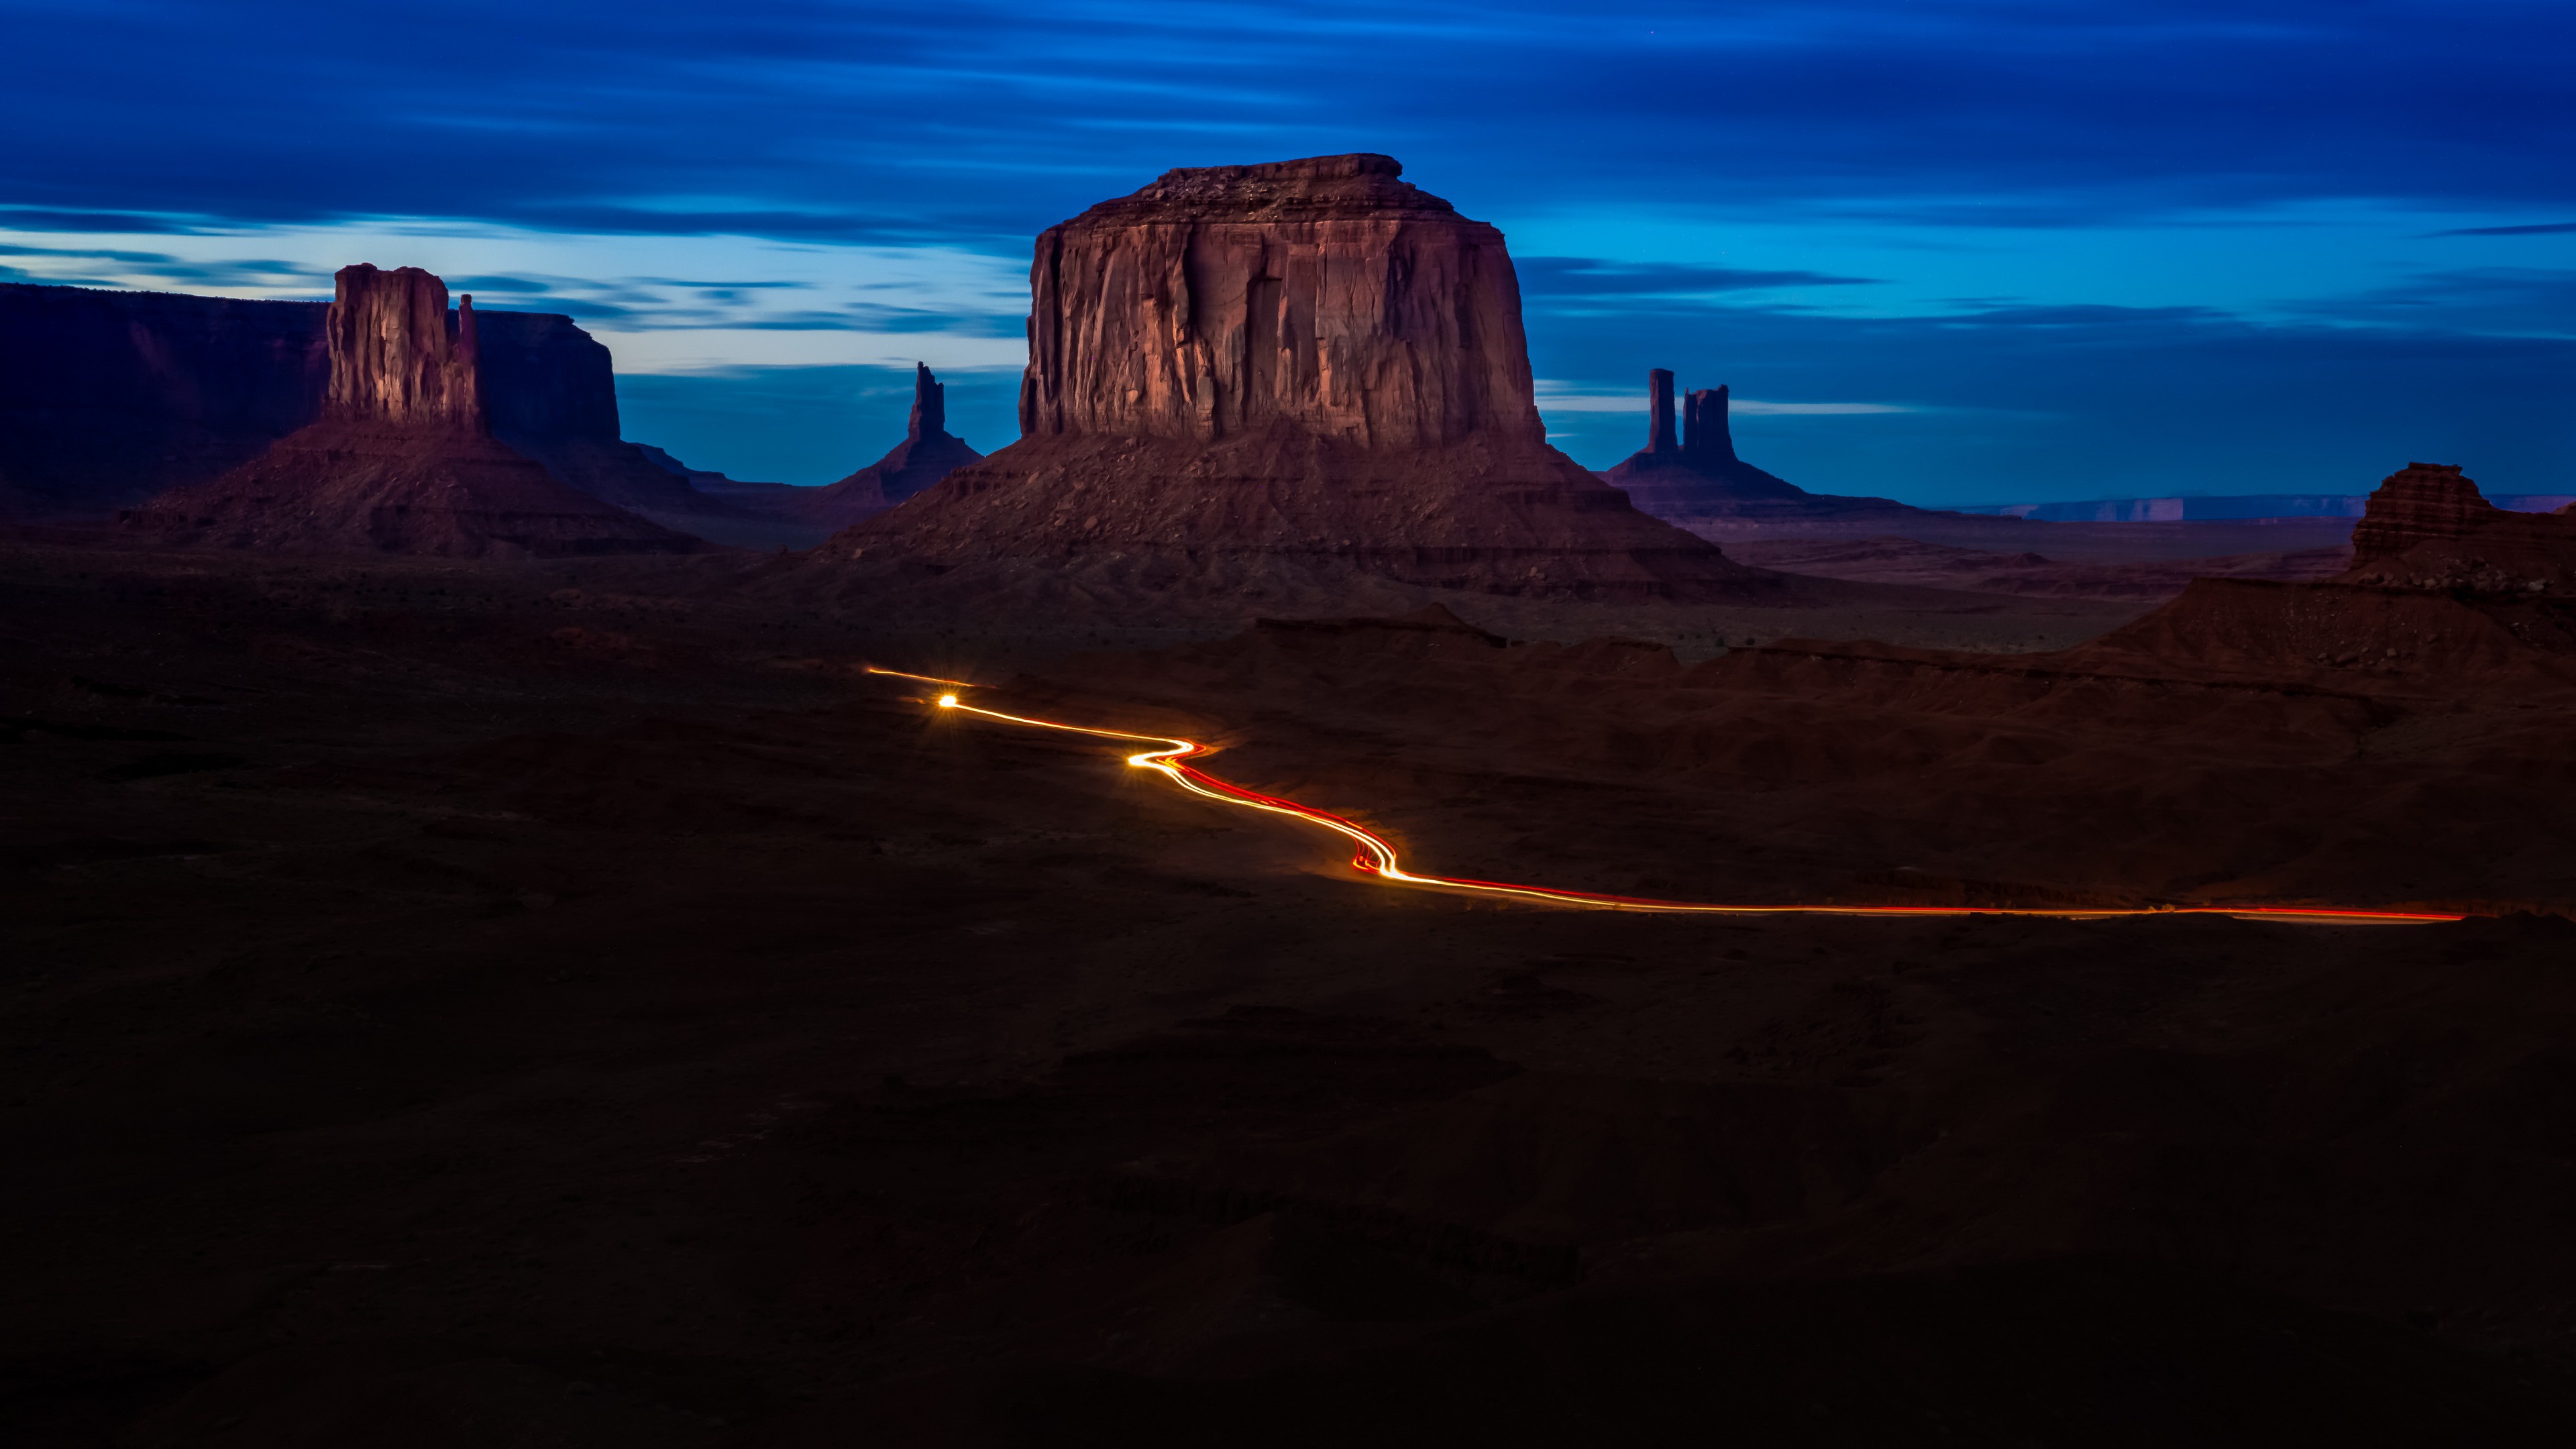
1307	361
2427	526
403	459
928	453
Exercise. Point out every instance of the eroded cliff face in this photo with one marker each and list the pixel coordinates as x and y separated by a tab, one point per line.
402	459
2419	503
107	398
2428	527
1327	294
398	356
1307	365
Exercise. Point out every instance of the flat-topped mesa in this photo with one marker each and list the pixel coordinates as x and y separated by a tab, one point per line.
2419	503
1324	296
1308	365
2428	527
398	356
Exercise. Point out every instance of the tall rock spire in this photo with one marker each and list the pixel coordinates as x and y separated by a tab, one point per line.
1659	409
1699	476
929	405
1706	436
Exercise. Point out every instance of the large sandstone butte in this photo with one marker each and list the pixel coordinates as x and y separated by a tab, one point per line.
1303	361
403	459
928	453
1697	477
108	398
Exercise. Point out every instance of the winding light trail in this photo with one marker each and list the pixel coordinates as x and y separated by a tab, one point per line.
1376	857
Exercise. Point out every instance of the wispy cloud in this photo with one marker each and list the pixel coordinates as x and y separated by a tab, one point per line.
2549	228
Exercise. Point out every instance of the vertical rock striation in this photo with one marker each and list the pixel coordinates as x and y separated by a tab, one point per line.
1305	360
398	356
1327	294
403	459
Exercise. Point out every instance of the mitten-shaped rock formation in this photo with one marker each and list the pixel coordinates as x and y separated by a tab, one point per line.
403	459
928	453
1308	361
2428	527
1698	478
1699	472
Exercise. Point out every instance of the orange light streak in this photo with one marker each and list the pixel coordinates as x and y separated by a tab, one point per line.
924	678
1376	857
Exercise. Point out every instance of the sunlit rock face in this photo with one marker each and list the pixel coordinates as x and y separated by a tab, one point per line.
1327	293
397	356
1306	364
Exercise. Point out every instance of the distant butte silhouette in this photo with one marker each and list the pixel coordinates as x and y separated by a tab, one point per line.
1698	470
1696	478
403	459
928	453
1305	362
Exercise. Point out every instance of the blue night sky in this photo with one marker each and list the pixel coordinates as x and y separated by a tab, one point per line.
1945	252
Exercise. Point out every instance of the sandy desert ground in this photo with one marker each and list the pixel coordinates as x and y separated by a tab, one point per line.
571	1004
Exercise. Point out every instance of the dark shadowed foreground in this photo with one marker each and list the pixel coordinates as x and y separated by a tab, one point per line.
565	1004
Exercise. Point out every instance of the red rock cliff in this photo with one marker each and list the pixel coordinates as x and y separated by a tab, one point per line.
403	459
397	356
2428	527
107	398
1326	293
1309	365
